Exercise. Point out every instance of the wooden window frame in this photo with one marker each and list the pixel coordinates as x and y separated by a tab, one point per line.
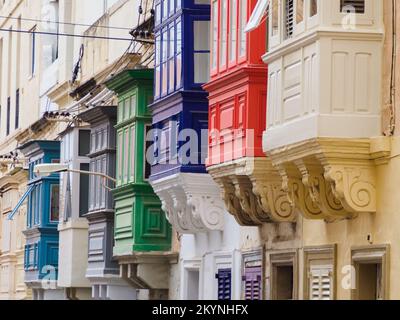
372	254
328	256
281	258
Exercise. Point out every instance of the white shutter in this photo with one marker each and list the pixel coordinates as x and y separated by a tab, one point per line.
321	282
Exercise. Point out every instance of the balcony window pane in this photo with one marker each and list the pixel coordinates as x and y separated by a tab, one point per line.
202	65
299	11
201	51
313	8
214	33
233	31
165	9
242	26
275	18
54	202
224	32
356	6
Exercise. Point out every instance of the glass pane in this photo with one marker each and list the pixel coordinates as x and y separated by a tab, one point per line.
126	155
164	72
171	6
120	156
313	8
158	80
178	37
201	67
275	18
171	41
133	153
164	46
132	105
224	32
233	30
242	26
214	33
158	13
83	190
299	11
179	70
54	202
171	71
201	35
84	143
165	9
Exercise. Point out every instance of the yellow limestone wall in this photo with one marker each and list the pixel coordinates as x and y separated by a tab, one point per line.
384	227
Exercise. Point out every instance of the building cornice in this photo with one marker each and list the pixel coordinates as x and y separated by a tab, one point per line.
315	35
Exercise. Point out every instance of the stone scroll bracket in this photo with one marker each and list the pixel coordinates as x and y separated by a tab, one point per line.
331	179
191	202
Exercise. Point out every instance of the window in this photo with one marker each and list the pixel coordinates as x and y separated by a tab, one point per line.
283	282
164	58
242	25
147	144
54	202
32	50
319	272
193	280
214	56
133	153
283	275
168	59
165	9
178	54
171	58
17	98
84	143
289	18
313	8
224	278
356	6
201	51
233	30
157	86
8	128
299	11
84	190
370	267
223	32
126	155
275	18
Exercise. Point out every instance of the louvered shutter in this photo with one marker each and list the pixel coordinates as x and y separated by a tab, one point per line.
252	283
321	282
224	278
289	25
358	5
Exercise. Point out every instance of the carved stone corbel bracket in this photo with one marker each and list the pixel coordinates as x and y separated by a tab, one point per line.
320	191
331	178
252	190
232	202
191	202
267	186
299	196
354	187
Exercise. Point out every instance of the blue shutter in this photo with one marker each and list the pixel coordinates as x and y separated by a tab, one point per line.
224	277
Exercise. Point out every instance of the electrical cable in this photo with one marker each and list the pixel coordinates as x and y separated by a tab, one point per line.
63	23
